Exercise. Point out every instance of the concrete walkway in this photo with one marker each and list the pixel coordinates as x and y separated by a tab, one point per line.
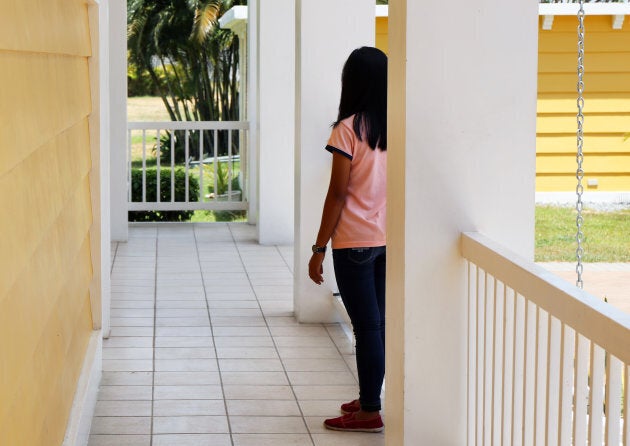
205	351
602	280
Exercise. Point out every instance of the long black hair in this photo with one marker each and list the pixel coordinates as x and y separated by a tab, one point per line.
364	95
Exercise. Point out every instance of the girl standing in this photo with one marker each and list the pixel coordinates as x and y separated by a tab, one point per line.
354	218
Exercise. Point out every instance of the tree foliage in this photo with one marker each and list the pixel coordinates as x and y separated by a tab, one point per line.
192	63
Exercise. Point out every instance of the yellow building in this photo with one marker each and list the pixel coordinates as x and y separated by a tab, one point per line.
607	96
49	259
607	104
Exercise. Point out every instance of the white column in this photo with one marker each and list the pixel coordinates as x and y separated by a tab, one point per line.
276	120
326	32
118	117
461	157
252	108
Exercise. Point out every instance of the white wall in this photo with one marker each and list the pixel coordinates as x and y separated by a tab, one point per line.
118	117
326	32
461	158
276	120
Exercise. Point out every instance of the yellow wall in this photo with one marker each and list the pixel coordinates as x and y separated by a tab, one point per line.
45	258
607	109
607	95
381	34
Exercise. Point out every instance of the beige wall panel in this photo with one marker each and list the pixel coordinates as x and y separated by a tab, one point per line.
567	182
597	143
34	193
593	163
54	26
601	123
596	102
30	304
42	96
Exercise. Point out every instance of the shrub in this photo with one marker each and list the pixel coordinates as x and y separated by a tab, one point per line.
165	193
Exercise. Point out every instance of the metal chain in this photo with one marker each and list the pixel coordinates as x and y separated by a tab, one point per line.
579	252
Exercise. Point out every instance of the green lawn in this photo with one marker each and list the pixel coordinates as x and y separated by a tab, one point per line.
606	235
146	108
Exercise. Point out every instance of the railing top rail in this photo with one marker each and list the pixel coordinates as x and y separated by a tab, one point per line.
602	323
188	125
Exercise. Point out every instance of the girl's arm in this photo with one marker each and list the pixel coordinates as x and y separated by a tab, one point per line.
335	200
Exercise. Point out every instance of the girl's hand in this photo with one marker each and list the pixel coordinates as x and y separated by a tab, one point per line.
315	269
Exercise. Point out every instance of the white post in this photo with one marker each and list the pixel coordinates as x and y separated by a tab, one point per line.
461	140
326	32
252	107
118	117
276	119
100	140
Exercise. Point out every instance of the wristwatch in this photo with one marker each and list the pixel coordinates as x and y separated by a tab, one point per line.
316	248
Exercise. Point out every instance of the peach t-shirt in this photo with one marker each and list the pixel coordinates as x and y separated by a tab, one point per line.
362	220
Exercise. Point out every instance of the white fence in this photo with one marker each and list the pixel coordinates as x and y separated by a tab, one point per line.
212	155
548	364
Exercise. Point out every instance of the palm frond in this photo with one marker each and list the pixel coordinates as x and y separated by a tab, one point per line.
206	16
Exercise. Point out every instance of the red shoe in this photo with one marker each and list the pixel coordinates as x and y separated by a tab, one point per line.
348	423
351	407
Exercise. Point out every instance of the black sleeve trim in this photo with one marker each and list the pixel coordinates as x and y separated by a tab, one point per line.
332	149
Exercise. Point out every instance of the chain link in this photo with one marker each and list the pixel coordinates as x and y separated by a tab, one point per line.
579	252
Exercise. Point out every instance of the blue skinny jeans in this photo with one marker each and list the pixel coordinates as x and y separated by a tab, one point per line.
360	274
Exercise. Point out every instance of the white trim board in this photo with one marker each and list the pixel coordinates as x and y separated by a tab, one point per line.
85	396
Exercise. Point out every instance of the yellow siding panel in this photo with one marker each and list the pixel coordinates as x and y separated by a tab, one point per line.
567	143
42	96
567	182
565	42
594	82
593	163
45	26
32	303
610	123
595	102
45	260
607	105
34	193
596	62
381	34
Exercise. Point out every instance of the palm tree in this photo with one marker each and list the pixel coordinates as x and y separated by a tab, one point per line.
191	61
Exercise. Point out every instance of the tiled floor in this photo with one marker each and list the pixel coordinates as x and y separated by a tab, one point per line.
204	349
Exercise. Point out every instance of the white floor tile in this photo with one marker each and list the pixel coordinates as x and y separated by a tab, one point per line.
181	407
121	425
187	378
119	440
277	408
190	425
267	425
212	392
123	408
192	440
249	392
206	295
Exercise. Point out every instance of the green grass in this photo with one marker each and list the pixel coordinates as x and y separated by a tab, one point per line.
606	235
146	108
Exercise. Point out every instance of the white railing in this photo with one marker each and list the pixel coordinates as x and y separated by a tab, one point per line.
209	156
547	362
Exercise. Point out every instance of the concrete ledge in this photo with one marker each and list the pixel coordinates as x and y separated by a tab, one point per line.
80	422
587	197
